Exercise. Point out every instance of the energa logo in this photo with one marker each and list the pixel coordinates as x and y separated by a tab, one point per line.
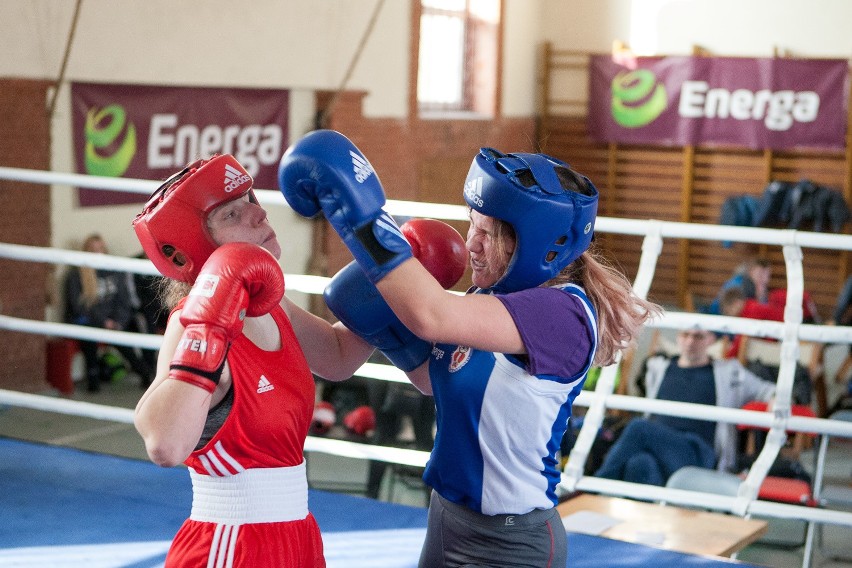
110	141
637	98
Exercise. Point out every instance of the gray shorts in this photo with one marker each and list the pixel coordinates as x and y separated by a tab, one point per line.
457	537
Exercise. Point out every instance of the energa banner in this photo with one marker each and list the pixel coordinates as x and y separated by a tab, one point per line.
773	103
149	132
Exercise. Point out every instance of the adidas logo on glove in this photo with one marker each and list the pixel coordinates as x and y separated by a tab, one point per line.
361	167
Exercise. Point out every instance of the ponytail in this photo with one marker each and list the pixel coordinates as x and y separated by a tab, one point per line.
620	311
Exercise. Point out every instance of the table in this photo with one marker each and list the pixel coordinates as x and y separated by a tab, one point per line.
673	528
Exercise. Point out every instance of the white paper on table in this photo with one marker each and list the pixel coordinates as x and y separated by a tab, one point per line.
651	538
588	522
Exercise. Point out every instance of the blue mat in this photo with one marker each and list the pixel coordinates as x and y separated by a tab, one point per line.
66	507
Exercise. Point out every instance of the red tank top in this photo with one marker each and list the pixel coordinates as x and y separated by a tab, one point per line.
273	404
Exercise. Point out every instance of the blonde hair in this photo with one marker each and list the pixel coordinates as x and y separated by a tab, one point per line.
620	311
170	292
89	275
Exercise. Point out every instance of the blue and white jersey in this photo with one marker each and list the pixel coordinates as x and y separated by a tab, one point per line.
499	426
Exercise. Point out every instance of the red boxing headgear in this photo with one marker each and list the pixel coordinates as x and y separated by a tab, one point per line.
172	227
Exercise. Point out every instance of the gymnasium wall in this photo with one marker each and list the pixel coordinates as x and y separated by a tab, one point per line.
23	220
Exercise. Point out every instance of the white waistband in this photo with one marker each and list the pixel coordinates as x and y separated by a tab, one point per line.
267	495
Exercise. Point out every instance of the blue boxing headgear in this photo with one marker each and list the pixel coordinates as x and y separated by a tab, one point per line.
553	221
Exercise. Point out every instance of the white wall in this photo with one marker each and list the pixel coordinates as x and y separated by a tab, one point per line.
301	45
262	43
805	28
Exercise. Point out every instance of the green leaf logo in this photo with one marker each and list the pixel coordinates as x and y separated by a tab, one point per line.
103	129
637	98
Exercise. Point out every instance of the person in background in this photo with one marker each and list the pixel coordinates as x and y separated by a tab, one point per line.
101	298
842	315
234	392
395	401
505	361
650	449
149	314
752	277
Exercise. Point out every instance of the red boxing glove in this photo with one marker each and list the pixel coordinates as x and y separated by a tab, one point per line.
361	420
238	280
325	415
439	248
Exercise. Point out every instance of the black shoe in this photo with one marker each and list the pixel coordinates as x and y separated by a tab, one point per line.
93	380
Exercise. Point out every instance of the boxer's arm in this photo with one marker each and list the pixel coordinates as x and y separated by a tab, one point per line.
480	321
419	377
237	279
415	292
170	415
356	302
332	351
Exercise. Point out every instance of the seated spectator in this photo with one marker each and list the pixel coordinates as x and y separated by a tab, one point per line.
734	303
810	312
842	314
101	298
752	278
149	314
652	448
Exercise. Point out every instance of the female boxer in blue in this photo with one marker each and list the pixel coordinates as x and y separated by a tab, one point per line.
505	361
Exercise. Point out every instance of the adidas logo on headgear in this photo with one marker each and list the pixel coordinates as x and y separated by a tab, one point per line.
234	178
361	167
473	191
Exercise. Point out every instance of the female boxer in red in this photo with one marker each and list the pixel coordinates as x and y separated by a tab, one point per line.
234	391
233	397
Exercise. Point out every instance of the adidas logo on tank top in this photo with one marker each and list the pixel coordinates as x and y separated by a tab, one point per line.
263	385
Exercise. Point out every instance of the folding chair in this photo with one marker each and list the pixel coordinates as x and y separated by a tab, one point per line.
780	489
828	497
811	357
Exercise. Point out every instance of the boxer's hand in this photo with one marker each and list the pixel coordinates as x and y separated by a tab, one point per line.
439	248
356	302
325	171
360	420
238	280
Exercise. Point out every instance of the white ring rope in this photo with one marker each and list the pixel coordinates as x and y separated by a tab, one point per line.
790	332
668	229
125	415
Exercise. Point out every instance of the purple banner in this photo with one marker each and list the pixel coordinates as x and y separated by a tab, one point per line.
149	132
770	103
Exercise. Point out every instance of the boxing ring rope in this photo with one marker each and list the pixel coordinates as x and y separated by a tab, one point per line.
789	332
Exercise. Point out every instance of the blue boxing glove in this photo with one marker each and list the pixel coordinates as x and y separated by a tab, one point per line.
326	172
356	302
